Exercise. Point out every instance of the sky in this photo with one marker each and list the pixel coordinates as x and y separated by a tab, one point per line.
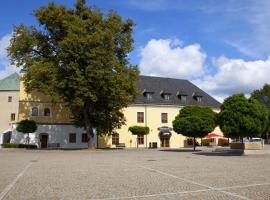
221	46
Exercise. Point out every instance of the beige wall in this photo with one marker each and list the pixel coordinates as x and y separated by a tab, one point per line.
7	108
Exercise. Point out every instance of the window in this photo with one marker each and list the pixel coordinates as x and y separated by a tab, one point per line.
72	138
84	138
199	99
149	96
34	111
166	97
47	112
115	138
140	139
140	117
183	98
12	117
10	99
164	117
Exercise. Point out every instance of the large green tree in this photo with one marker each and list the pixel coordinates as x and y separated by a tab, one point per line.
26	126
195	121
263	96
242	117
80	56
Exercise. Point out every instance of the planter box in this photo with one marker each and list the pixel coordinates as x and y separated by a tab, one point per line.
247	145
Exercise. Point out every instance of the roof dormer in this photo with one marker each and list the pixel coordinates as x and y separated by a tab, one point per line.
148	94
197	96
182	96
166	95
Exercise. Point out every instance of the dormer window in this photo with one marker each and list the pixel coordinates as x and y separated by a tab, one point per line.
148	95
166	97
197	97
182	96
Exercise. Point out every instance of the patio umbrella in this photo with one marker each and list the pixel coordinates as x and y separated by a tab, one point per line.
213	135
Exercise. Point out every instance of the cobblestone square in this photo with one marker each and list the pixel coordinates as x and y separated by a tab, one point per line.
132	174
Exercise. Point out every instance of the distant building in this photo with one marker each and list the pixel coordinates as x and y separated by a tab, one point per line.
156	107
9	104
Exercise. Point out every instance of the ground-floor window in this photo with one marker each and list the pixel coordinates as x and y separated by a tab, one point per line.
140	139
84	138
72	138
115	138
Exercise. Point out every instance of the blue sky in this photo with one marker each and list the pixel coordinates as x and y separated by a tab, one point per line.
222	46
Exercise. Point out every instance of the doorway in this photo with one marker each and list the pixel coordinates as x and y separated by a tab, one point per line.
165	141
43	141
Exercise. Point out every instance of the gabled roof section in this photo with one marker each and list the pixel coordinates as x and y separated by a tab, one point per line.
175	87
10	83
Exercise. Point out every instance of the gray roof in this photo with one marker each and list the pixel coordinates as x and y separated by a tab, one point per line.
10	83
175	87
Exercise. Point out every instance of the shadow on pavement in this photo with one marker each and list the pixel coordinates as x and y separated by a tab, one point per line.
223	153
180	150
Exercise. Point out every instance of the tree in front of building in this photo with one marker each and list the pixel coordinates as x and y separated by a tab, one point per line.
263	96
139	131
26	126
80	56
195	122
241	117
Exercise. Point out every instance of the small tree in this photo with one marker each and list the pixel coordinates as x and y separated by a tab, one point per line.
139	130
195	121
27	126
242	117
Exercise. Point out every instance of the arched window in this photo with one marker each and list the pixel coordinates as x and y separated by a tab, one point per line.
47	112
115	138
34	111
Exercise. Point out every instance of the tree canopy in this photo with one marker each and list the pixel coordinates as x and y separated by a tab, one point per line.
263	96
139	130
195	121
242	117
80	56
26	126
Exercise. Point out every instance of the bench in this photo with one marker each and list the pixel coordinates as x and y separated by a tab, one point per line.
120	145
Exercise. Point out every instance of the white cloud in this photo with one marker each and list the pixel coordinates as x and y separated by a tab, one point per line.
235	76
5	67
165	57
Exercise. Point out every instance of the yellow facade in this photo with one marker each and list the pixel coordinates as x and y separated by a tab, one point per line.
59	114
152	119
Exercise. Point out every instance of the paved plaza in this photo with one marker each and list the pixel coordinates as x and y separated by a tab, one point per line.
132	174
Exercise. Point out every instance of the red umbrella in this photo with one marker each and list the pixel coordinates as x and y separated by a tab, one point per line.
213	135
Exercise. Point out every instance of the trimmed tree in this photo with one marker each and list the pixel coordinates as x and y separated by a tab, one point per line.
242	117
26	126
139	130
195	122
80	56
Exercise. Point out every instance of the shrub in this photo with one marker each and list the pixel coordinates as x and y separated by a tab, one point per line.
28	146
139	130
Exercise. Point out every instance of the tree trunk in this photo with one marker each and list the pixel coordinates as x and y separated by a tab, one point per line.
194	144
28	138
88	126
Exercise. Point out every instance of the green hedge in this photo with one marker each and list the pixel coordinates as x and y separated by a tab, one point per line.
28	146
139	130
